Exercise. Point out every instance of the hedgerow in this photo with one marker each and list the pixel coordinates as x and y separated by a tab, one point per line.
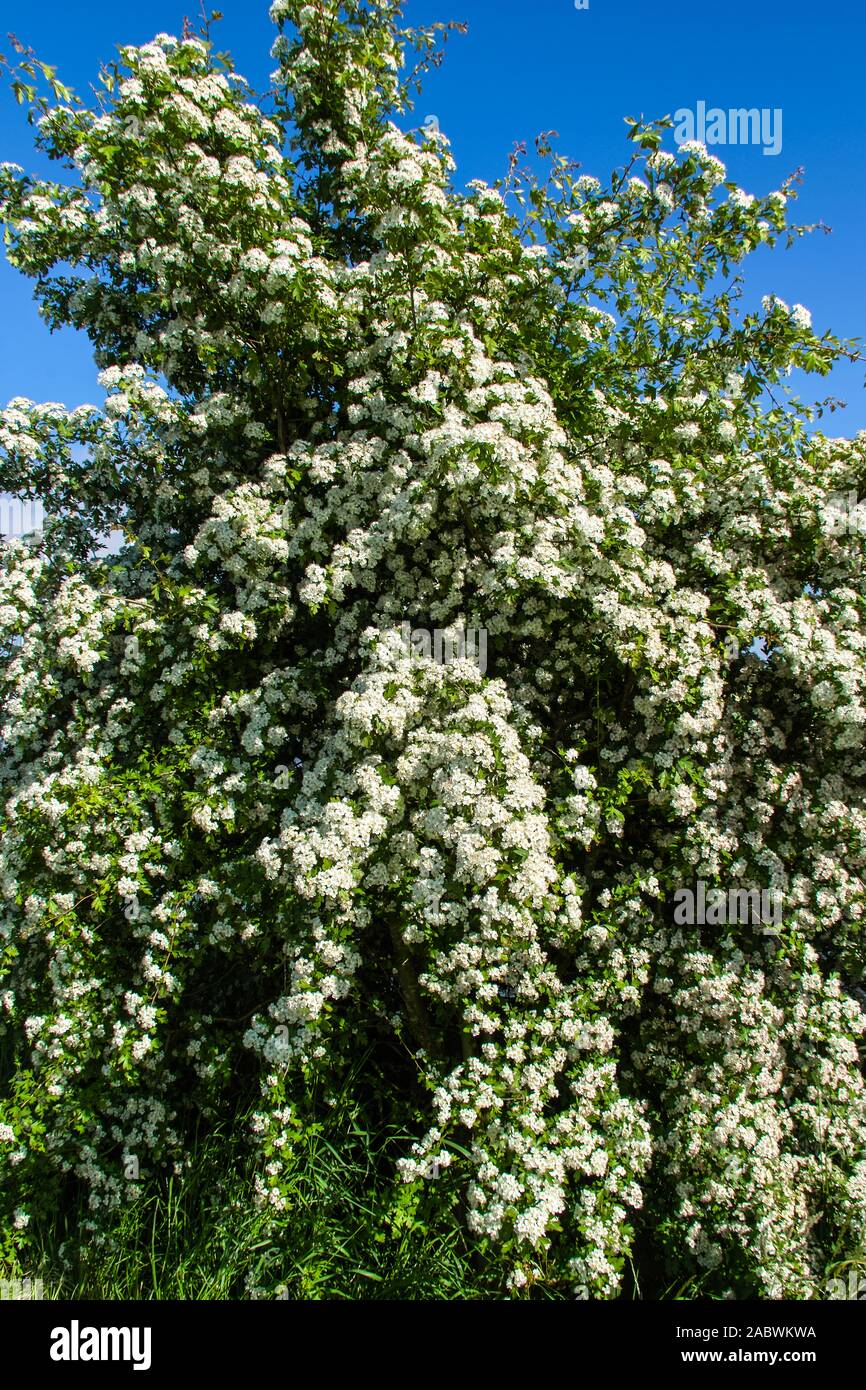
250	832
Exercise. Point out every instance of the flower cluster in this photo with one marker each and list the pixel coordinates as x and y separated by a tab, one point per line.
246	832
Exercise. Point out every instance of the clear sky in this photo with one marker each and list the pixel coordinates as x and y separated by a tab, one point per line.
527	67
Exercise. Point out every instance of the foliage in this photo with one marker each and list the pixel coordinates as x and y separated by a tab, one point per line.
248	836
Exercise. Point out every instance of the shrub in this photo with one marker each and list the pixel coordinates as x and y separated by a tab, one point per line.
250	832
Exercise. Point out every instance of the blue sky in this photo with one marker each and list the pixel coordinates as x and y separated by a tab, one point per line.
523	68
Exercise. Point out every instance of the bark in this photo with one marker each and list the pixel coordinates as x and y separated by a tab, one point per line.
419	1023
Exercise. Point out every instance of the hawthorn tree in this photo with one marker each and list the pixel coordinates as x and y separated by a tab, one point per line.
249	835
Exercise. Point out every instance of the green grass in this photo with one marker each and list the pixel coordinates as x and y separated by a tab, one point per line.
351	1230
347	1235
